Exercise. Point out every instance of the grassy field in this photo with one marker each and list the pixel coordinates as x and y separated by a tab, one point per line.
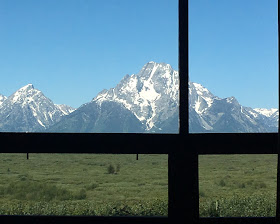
83	184
237	185
98	184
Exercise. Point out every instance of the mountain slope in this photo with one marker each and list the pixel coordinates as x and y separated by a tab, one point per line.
28	110
106	117
65	109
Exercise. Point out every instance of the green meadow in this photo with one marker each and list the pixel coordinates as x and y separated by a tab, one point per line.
83	184
237	185
119	185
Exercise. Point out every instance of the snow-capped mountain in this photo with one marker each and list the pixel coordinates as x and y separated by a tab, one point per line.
2	98
143	102
29	110
152	96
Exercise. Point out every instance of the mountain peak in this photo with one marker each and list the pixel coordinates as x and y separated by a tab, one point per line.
27	87
28	110
24	93
232	99
153	63
153	68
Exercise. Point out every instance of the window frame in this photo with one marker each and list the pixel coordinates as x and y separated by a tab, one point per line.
183	150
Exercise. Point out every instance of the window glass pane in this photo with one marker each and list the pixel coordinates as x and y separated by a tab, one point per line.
83	184
237	185
89	66
233	65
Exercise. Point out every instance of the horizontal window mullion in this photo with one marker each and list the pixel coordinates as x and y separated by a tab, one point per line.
255	220
88	143
234	143
85	219
238	143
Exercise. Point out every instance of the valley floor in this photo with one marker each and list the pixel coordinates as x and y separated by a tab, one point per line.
99	184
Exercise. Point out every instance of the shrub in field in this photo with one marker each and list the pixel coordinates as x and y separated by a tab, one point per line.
92	186
118	168
201	193
259	185
2	191
31	190
222	183
111	169
241	185
81	195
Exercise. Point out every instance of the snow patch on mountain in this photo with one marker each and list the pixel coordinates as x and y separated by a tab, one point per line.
201	99
65	109
266	112
2	99
204	93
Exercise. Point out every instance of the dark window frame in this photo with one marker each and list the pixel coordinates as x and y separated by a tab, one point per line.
183	150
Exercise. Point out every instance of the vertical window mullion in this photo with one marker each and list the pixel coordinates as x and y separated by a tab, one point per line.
278	143
183	165
183	68
278	188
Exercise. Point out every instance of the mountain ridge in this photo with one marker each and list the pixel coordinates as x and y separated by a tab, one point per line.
150	102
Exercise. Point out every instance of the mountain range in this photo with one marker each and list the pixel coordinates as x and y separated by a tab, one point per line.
146	102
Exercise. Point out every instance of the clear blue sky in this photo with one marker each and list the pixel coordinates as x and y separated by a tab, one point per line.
234	49
72	49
